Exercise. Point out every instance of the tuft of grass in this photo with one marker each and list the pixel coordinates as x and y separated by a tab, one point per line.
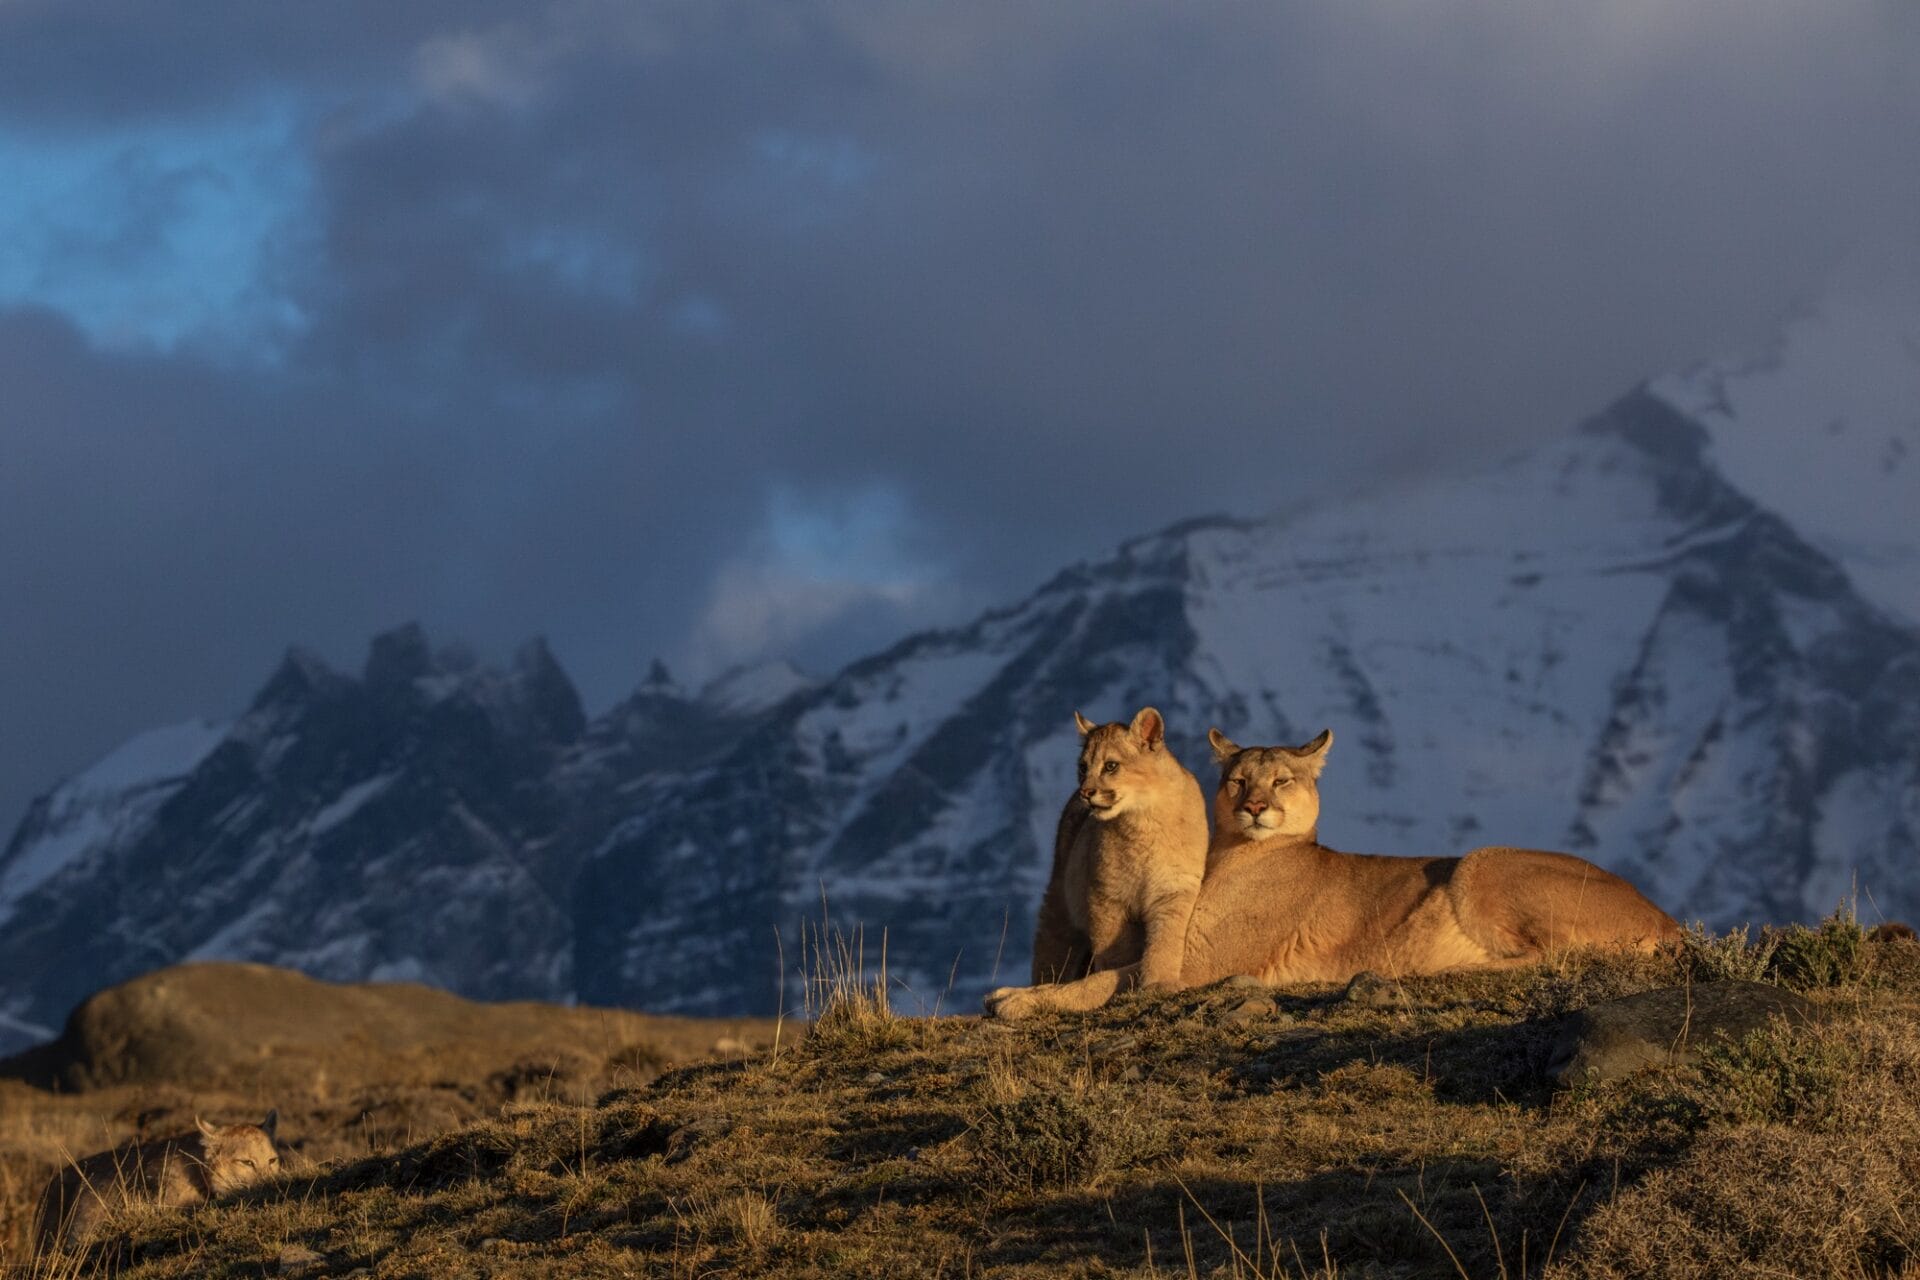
850	1009
1585	976
739	1219
1271	1259
637	1063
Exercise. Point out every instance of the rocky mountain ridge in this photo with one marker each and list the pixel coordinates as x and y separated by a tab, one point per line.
1600	645
420	821
1604	644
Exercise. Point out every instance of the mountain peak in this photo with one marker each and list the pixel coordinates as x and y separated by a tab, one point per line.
399	657
1821	428
660	683
549	691
1653	426
301	674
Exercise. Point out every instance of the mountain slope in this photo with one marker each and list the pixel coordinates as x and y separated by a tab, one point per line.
1601	645
1640	641
389	826
1824	429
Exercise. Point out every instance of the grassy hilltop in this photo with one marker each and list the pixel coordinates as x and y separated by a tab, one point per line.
1400	1130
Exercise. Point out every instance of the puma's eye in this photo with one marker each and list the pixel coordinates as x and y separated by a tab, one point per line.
1282	782
1111	766
250	1164
1236	785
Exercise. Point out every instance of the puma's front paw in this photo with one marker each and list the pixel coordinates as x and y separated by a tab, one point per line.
1012	1003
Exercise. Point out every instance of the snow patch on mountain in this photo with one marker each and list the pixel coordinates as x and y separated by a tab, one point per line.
752	689
1824	428
156	756
104	805
348	803
1599	645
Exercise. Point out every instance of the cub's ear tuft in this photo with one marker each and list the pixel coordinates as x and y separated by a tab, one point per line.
1314	754
1084	725
208	1130
272	1121
1224	748
1149	727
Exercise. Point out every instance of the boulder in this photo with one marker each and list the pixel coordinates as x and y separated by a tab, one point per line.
1615	1038
257	1029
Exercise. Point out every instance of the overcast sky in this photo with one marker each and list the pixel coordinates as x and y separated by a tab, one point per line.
716	330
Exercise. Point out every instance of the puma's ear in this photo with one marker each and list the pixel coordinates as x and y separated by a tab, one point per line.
1314	754
272	1122
1149	727
1083	724
1224	748
209	1130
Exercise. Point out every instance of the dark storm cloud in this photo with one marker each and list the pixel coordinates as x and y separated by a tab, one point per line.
608	310
108	59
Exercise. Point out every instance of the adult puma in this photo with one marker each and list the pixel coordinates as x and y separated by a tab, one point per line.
1128	855
184	1170
1278	904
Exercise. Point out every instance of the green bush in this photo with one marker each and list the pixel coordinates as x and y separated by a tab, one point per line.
1734	956
1786	1075
1832	955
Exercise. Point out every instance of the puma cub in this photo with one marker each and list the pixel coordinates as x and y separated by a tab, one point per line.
1128	856
170	1171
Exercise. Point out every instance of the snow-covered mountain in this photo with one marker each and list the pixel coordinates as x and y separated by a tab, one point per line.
1823	428
1601	645
423	820
1652	641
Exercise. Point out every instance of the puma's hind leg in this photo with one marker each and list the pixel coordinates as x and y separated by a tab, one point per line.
1061	953
1528	905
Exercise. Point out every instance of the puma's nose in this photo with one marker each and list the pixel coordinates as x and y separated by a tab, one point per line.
1254	807
1086	793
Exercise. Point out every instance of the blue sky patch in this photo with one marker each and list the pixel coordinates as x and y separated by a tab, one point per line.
158	234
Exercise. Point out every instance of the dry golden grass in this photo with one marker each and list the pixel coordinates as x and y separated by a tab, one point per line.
150	1057
1220	1132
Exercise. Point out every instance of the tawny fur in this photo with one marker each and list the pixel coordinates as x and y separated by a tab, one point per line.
1128	855
171	1172
1279	905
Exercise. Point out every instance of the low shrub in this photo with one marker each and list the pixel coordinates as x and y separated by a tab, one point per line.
1062	1137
